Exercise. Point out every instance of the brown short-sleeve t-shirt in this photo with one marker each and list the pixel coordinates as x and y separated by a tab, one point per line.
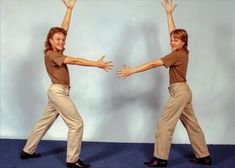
178	63
56	69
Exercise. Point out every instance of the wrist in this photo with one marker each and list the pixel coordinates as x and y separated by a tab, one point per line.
169	12
98	64
132	71
69	8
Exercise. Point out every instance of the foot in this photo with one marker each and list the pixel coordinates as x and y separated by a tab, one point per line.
156	162
25	155
78	164
204	160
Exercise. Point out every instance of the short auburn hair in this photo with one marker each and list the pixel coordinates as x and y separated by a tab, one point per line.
182	35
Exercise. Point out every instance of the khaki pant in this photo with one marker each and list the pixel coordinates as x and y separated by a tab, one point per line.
179	106
59	104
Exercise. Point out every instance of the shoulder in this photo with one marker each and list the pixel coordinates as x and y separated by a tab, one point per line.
49	53
180	53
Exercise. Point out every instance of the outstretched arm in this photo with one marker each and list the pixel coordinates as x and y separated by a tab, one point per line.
66	21
169	8
100	63
127	71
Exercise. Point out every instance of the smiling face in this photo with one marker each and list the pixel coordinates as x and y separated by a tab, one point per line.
179	40
176	43
57	42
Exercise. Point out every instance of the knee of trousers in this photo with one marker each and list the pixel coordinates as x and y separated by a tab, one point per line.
164	130
77	125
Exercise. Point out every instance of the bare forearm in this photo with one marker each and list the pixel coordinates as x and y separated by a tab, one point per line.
80	61
170	21
169	8
66	21
147	66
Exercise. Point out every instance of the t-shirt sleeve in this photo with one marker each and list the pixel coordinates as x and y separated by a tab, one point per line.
56	58
170	59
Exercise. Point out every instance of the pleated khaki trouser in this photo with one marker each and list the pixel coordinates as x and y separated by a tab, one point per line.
59	104
179	106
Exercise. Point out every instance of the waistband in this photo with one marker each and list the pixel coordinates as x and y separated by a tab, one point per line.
177	84
61	85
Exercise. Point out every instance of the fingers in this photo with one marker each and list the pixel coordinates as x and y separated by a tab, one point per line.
168	4
107	66
126	66
105	69
109	62
102	54
69	3
102	58
121	74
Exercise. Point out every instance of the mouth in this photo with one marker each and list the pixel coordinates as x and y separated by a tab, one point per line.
60	46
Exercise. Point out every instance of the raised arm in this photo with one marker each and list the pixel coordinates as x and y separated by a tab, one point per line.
169	8
100	63
127	71
66	21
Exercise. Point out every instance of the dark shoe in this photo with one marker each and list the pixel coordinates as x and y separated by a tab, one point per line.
204	160
25	155
78	164
155	162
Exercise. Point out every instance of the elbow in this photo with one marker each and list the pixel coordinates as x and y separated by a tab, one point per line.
156	64
76	62
153	65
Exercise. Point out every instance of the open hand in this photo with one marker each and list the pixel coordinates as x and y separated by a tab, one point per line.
169	7
69	3
104	65
124	72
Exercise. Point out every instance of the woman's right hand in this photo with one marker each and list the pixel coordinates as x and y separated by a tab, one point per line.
124	72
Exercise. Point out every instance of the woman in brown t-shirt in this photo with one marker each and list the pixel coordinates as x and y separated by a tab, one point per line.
60	103
179	104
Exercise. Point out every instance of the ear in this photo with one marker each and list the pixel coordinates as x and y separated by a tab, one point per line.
183	43
50	40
